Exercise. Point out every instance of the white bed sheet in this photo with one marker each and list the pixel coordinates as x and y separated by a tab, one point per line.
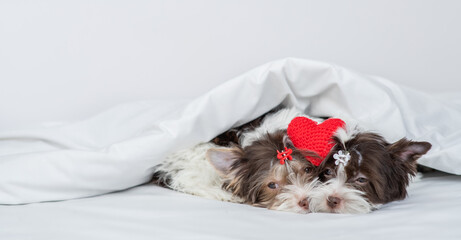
432	211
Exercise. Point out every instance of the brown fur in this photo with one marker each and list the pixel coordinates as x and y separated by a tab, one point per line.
258	166
387	167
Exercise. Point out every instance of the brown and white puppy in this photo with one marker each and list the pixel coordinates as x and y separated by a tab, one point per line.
250	172
364	171
256	174
360	173
241	165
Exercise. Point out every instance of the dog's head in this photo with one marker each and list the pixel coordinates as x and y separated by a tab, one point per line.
364	172
257	175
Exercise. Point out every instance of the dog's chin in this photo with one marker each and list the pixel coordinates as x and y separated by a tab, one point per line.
294	197
288	203
347	200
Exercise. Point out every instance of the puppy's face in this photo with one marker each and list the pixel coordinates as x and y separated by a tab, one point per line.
377	172
256	175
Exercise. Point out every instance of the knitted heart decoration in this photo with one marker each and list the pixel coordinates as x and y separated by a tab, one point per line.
306	134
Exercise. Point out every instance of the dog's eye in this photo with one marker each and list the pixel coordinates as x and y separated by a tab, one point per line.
361	180
272	185
307	169
328	172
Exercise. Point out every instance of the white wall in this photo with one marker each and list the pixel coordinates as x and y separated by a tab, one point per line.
66	60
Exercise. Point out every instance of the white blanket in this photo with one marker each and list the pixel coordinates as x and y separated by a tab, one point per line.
116	149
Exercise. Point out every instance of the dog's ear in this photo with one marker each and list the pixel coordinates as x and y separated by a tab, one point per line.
223	158
404	154
409	151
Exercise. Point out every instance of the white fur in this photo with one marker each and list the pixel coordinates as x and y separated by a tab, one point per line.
360	160
352	200
192	173
292	194
350	130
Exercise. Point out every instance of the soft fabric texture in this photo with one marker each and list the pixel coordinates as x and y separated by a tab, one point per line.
117	149
430	212
309	135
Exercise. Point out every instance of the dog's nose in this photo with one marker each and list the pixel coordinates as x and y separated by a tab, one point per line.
333	202
304	203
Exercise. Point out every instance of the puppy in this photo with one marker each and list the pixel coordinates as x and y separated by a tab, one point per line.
364	171
264	169
264	176
361	172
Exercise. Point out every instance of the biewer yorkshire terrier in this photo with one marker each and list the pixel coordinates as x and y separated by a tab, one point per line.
253	166
286	161
364	171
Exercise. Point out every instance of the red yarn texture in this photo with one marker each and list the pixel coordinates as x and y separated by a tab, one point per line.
306	134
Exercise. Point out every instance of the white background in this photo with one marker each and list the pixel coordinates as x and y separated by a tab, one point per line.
68	60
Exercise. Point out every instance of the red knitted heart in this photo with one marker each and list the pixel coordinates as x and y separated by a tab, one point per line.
306	134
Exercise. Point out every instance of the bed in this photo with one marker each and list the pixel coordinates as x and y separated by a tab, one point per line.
432	211
93	94
86	180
